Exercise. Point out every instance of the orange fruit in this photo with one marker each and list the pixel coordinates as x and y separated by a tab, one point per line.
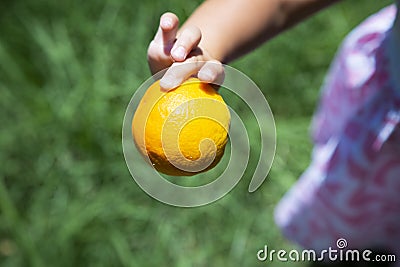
184	131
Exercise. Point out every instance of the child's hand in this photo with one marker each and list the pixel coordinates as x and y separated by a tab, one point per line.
173	49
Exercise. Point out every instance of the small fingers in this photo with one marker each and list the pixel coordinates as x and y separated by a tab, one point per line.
179	72
158	52
185	43
212	72
167	30
207	71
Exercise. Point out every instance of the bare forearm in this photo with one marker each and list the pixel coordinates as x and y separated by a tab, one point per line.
231	28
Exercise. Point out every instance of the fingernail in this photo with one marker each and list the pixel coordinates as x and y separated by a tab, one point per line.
167	83
166	23
179	53
206	75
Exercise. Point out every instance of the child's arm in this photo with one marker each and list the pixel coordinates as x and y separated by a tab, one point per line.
222	30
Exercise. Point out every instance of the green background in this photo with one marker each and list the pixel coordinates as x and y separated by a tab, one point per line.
67	72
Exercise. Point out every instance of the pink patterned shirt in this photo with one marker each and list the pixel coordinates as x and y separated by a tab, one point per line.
352	186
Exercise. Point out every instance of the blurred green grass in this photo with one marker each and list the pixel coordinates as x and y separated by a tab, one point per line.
67	72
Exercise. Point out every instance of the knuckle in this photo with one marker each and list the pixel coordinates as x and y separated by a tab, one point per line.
156	57
152	52
191	36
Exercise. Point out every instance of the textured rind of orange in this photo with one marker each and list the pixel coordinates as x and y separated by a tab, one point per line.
157	105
